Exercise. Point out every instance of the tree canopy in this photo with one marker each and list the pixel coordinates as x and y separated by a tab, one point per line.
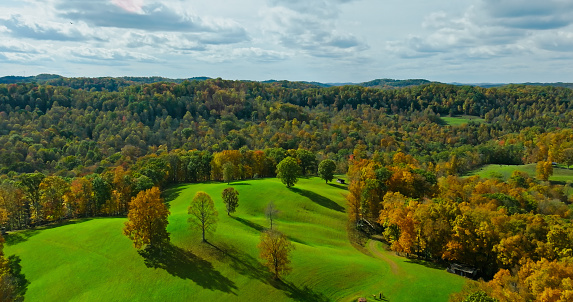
275	251
230	197
147	220
326	169
202	213
288	171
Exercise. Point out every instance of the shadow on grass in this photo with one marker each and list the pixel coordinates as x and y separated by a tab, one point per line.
20	281
319	199
339	186
239	184
428	264
248	266
298	293
248	223
183	264
241	262
20	236
172	193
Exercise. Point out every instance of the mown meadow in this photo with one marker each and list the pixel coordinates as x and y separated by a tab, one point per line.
90	260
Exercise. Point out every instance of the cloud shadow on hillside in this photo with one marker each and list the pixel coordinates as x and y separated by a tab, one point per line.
186	265
319	199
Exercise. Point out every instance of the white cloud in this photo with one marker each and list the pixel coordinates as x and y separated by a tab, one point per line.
561	41
21	27
18	47
251	54
89	54
311	28
489	29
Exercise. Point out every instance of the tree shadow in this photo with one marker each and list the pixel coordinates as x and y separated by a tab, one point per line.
251	224
183	264
241	262
15	237
339	186
239	184
172	193
246	265
20	236
319	199
428	264
20	281
298	293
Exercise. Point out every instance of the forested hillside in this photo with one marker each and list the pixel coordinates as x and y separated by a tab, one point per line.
57	128
84	147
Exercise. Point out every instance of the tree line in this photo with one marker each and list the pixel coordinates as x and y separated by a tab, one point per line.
33	199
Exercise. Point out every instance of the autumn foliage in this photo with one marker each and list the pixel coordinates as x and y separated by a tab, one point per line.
147	220
275	251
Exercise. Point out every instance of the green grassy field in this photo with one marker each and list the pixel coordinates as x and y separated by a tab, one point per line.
460	120
560	175
91	260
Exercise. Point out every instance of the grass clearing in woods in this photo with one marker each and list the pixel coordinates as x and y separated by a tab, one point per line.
91	260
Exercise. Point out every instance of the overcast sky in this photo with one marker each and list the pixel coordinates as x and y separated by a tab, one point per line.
468	41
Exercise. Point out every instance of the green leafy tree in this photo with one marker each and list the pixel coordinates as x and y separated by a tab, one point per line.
288	171
30	184
203	213
307	160
231	199
326	170
147	220
228	172
274	249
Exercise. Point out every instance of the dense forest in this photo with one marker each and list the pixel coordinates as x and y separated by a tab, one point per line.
82	147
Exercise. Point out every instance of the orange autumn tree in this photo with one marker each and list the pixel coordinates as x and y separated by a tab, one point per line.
147	220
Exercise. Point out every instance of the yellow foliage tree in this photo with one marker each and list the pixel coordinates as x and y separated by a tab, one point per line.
147	220
274	250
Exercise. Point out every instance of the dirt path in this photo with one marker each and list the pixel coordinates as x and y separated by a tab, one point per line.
382	255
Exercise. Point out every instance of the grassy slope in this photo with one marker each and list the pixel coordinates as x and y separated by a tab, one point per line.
93	261
559	174
460	120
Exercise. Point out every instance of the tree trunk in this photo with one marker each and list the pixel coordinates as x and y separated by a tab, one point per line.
204	234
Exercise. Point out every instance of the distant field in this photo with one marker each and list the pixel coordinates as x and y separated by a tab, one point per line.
460	120
91	260
559	174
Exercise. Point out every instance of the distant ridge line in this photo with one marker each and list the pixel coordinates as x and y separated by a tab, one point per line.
385	83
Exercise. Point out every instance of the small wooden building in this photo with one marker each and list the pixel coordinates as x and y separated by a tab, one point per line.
462	270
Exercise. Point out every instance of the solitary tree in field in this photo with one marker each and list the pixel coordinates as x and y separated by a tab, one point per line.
147	220
288	170
274	250
326	169
231	199
271	212
203	213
